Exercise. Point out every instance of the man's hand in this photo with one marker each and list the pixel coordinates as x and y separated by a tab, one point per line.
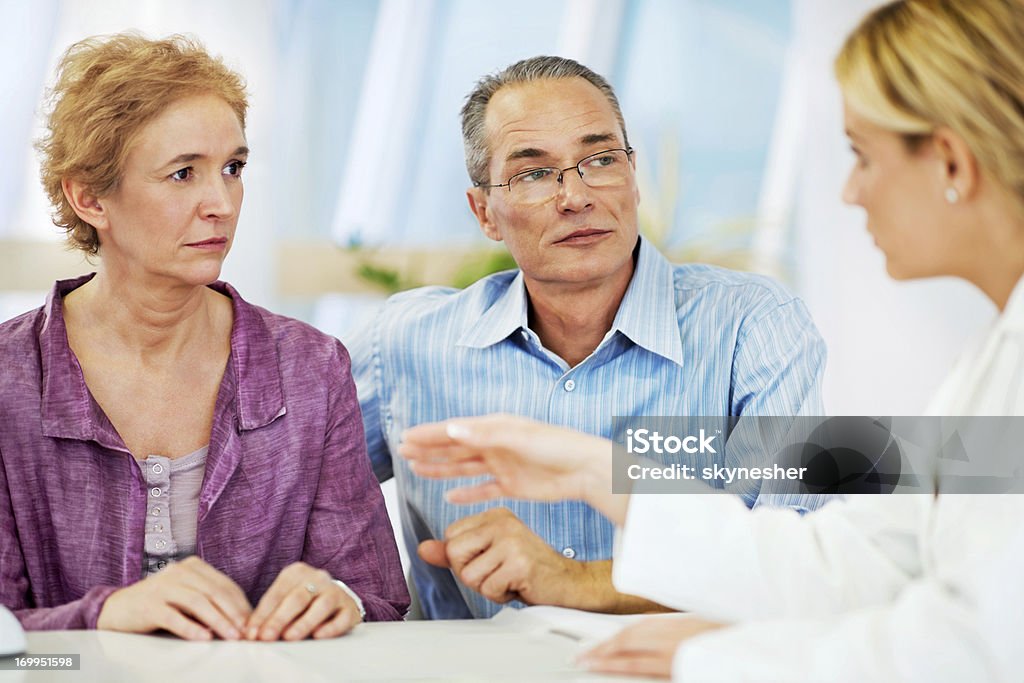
302	601
496	555
190	599
646	648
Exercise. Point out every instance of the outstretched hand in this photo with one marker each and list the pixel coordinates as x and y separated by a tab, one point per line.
526	459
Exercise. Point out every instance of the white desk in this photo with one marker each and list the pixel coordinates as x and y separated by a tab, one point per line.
485	650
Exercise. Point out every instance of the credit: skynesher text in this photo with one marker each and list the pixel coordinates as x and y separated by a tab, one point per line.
715	473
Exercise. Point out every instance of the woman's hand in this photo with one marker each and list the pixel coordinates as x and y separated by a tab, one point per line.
646	648
302	601
190	599
526	459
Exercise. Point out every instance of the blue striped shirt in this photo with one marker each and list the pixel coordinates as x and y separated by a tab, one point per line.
686	340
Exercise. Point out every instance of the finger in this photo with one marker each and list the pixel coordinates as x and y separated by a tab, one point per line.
498	585
292	605
234	605
480	493
477	570
225	593
343	622
634	664
267	604
473	522
534	443
433	552
170	619
447	452
492	431
322	609
476	432
464	547
633	638
199	606
654	634
449	470
427	435
605	648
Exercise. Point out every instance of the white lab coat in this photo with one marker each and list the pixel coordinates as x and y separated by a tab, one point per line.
867	589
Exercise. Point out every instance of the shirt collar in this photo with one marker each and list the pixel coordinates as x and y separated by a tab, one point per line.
647	314
259	396
505	316
69	411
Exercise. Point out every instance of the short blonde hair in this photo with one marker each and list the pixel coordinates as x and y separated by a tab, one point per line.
914	65
107	89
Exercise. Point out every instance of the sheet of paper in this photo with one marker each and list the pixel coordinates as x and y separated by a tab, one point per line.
583	626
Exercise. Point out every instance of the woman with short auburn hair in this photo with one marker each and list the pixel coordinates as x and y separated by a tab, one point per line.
171	456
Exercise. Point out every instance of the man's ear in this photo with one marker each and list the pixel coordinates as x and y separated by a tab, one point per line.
477	197
959	166
85	204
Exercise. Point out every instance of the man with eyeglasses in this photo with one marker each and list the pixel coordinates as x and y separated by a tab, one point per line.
594	323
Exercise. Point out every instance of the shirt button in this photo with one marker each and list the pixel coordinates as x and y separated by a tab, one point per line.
161	544
156	492
568	552
161	564
158	468
155	512
158	528
570	385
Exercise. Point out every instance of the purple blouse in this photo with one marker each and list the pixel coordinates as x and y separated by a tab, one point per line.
287	477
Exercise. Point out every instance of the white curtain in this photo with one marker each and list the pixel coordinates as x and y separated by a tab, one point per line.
26	36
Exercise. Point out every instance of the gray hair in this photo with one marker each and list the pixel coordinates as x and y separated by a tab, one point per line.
474	135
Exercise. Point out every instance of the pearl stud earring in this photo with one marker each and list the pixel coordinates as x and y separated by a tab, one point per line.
952	196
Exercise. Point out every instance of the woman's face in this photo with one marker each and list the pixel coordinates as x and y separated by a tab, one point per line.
174	212
903	194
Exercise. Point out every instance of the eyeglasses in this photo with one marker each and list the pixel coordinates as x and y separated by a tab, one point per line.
610	168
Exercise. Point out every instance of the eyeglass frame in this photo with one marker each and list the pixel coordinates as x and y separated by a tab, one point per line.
561	171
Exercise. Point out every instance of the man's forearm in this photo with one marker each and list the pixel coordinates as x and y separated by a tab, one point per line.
594	592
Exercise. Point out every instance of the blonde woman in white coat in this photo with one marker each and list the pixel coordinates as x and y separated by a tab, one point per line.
872	588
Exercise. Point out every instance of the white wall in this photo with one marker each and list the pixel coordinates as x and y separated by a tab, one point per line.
889	343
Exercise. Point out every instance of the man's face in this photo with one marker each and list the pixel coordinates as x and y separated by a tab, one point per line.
582	235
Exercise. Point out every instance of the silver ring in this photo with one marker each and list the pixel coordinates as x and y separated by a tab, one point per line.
311	588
